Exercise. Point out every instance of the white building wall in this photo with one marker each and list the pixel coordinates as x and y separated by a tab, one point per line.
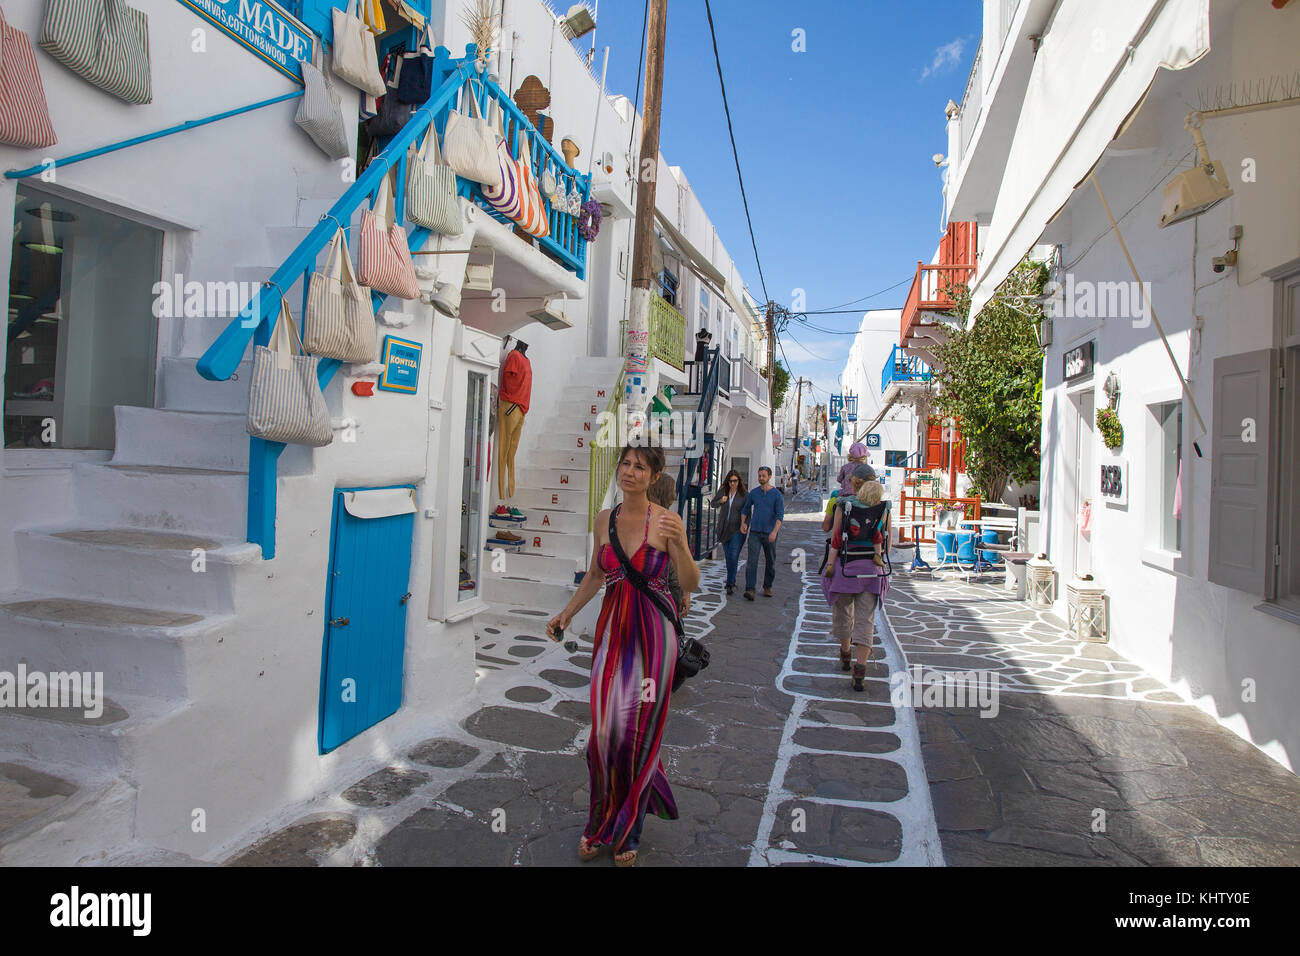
1204	639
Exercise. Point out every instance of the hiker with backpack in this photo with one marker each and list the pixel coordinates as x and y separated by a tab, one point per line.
855	572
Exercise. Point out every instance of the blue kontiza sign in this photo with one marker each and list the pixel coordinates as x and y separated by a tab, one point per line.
264	27
873	440
401	359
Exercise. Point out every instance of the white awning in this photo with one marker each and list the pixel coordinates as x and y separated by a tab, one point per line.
1096	63
697	261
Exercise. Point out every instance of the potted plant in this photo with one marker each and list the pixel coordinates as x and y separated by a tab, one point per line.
1112	432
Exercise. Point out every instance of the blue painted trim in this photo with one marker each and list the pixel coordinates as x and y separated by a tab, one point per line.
137	140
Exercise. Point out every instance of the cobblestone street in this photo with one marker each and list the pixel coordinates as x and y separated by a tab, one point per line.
774	760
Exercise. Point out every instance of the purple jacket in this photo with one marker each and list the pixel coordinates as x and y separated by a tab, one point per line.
871	579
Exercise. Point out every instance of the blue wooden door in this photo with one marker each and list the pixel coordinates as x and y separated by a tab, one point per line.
365	601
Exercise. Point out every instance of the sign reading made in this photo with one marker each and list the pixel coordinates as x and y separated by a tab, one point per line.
264	27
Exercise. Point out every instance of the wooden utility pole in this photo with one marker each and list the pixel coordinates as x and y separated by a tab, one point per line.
771	376
638	324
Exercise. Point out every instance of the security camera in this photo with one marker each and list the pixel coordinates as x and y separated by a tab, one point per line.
1220	263
939	159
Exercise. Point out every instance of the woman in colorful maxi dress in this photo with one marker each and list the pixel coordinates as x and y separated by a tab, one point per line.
633	660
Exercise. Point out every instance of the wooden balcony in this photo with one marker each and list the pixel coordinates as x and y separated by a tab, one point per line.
929	293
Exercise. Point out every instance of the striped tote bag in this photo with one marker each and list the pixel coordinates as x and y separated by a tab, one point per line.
532	216
24	116
505	198
339	322
320	113
103	41
431	199
285	403
385	257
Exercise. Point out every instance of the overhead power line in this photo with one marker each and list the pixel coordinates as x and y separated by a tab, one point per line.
734	152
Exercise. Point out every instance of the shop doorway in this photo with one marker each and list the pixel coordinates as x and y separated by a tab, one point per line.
82	334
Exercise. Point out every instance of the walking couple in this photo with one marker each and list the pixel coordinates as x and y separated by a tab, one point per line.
757	514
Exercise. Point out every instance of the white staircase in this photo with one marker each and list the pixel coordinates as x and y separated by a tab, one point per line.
552	483
133	584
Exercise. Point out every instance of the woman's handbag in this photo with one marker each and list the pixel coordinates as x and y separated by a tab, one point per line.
692	655
24	116
339	322
103	41
355	60
469	144
505	198
320	114
285	403
431	199
385	257
415	84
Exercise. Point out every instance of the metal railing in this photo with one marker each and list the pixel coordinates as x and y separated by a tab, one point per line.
604	458
667	333
901	367
929	292
257	318
703	376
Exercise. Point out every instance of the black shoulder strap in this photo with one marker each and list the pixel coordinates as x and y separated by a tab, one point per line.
637	578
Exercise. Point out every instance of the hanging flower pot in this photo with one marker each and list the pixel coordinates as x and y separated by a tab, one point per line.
1112	432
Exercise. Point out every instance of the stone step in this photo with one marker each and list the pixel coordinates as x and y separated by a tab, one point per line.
552	500
600	394
140	651
570	440
55	814
565	522
559	479
165	497
569	459
554	544
520	593
521	566
578	412
158	436
183	389
137	566
65	737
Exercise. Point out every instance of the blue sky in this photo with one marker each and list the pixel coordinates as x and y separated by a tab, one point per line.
835	142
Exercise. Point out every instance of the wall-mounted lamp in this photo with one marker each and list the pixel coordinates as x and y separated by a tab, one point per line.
1195	190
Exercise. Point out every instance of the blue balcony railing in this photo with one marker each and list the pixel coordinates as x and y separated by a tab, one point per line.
257	318
900	367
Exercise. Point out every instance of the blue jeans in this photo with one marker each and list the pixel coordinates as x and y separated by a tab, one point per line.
758	539
731	550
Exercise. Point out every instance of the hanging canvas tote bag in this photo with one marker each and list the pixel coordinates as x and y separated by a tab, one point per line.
24	116
103	41
415	82
355	60
320	114
532	214
339	322
470	144
385	257
284	398
431	199
506	198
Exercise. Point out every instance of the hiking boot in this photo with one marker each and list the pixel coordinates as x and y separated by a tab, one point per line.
730	590
767	592
846	660
859	674
749	595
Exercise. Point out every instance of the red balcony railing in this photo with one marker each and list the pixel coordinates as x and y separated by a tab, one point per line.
929	293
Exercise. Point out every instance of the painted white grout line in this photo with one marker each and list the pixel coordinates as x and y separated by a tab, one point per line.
913	811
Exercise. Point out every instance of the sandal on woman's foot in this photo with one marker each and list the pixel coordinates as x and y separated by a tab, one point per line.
859	674
846	659
587	852
626	858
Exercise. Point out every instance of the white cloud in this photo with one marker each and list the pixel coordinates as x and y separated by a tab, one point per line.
946	57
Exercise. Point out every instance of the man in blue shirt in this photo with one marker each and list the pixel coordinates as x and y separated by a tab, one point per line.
764	511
